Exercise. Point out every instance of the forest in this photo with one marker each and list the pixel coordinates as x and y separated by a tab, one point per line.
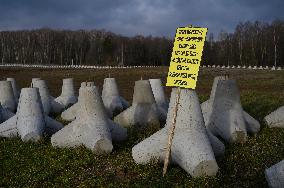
251	43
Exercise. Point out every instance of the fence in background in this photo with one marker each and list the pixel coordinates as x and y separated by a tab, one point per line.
129	67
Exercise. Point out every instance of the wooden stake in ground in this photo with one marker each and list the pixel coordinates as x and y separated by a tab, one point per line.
171	134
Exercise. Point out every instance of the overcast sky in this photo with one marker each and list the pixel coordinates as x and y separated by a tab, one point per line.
133	17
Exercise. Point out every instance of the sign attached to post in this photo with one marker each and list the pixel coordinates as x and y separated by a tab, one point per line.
184	67
186	57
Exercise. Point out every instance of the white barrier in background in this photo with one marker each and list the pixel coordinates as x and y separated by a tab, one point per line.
71	66
130	67
242	67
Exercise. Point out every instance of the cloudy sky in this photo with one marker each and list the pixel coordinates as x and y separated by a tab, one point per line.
133	17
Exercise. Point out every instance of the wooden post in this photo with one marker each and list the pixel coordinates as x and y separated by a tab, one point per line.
171	134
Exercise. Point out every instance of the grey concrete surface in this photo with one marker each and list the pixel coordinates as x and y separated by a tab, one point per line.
191	148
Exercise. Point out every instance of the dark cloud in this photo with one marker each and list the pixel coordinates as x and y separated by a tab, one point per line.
132	17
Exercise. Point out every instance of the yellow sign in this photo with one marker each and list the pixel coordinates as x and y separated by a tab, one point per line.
186	57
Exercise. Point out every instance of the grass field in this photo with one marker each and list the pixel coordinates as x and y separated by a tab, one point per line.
41	165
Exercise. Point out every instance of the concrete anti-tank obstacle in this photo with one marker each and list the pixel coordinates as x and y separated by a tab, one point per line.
7	98
34	79
276	118
113	102
144	111
14	86
223	113
226	119
56	107
5	114
91	128
71	113
191	148
30	122
30	118
48	102
160	98
67	96
252	125
275	175
44	94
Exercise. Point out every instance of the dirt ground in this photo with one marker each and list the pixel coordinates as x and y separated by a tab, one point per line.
248	80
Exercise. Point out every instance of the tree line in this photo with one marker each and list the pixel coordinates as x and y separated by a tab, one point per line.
47	46
252	43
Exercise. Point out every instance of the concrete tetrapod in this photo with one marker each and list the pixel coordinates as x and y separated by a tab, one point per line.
29	122
275	175
70	113
14	86
91	128
252	125
34	79
276	118
67	96
56	107
191	148
113	102
5	114
160	98
49	105
44	94
144	111
7	98
226	118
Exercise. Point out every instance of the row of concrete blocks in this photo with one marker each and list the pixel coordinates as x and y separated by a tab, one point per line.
193	144
30	122
92	127
217	123
198	127
105	106
73	66
32	107
126	67
243	67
